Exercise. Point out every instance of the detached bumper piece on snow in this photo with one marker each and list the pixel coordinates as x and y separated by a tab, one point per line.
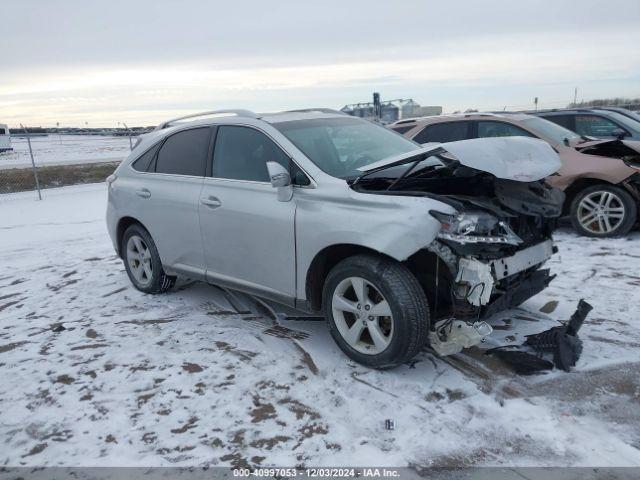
558	346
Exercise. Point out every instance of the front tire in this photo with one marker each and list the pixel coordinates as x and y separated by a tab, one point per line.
142	262
603	211
376	311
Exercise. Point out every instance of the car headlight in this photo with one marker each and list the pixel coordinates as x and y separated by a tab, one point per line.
475	227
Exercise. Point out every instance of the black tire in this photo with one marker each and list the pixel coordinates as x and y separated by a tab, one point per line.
159	281
406	299
621	195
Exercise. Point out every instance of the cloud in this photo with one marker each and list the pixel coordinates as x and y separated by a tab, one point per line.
77	62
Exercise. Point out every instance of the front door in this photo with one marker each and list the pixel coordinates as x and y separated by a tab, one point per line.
247	234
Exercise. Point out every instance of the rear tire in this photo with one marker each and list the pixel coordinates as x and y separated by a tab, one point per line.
376	311
603	211
142	261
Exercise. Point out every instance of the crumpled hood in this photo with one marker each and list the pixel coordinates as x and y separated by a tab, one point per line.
632	144
511	158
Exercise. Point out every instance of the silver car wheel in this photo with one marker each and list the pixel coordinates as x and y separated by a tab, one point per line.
139	260
601	212
362	316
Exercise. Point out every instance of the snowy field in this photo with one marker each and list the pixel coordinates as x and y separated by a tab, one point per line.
96	373
65	150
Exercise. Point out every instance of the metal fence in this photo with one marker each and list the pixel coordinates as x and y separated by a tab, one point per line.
42	161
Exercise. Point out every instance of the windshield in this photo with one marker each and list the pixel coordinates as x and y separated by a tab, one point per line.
549	130
339	146
624	120
627	113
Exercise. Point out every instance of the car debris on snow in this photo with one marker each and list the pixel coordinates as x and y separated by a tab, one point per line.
58	405
561	343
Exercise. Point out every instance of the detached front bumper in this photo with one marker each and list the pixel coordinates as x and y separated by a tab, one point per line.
475	280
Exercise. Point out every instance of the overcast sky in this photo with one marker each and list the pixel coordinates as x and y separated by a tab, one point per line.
143	61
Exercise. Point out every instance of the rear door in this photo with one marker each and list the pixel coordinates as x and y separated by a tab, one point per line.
248	235
165	198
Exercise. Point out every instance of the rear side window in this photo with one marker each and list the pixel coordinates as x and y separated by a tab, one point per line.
402	128
242	153
488	129
443	132
145	161
185	153
595	126
562	120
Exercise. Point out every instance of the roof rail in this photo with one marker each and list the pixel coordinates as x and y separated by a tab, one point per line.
408	120
238	112
321	110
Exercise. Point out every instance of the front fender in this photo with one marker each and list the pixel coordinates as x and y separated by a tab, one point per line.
396	226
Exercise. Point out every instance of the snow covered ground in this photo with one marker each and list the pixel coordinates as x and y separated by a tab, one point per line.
96	373
65	150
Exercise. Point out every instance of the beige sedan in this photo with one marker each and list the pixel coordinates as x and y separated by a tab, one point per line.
601	178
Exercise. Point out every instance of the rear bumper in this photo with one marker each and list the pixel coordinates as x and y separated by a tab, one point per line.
112	224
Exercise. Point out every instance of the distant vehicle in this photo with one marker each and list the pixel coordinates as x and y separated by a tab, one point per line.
331	213
5	139
595	122
623	111
601	178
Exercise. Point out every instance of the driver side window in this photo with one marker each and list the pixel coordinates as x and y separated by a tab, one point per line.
242	153
595	126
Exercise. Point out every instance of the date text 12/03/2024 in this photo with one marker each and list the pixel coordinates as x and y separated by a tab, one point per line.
318	472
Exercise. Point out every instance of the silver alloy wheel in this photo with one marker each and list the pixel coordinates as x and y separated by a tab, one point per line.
601	212
362	315
139	260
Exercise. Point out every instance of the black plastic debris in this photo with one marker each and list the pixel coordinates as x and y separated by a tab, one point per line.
57	328
561	343
523	363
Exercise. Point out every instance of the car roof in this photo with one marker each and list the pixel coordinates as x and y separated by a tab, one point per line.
235	116
215	117
572	111
462	116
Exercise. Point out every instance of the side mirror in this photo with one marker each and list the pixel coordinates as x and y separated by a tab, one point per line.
619	133
278	175
280	179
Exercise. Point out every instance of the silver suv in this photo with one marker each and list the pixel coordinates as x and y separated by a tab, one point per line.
398	245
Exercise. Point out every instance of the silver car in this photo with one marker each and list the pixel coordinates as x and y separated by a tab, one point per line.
398	245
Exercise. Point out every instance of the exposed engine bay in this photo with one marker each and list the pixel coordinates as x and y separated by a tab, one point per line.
488	254
622	149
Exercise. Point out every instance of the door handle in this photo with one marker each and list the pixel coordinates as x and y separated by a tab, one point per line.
143	192
211	202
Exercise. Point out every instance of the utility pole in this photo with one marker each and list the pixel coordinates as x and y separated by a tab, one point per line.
33	162
575	97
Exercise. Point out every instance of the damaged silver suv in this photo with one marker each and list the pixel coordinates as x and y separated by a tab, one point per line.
399	246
